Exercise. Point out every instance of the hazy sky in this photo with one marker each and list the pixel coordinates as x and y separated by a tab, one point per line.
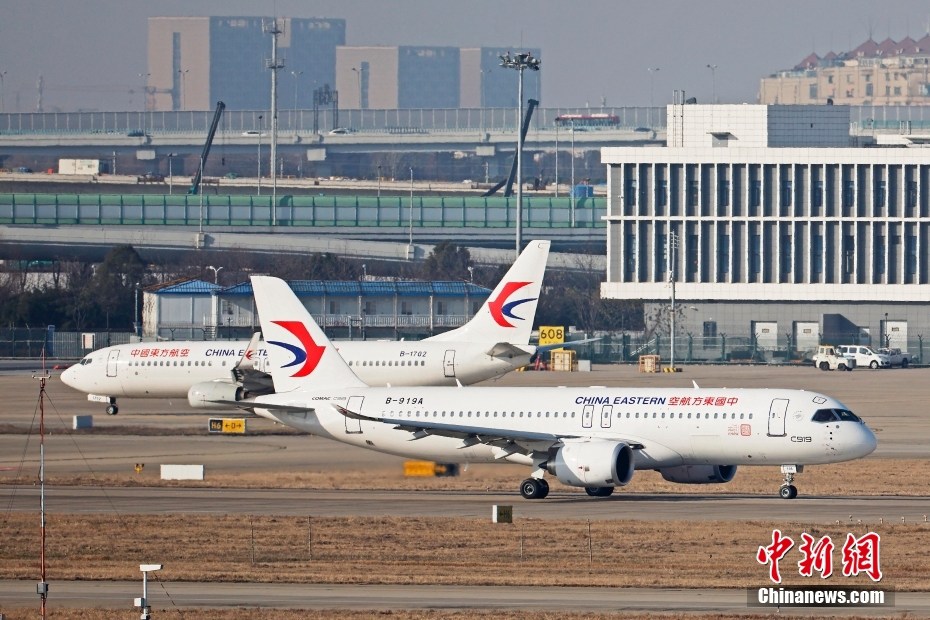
90	52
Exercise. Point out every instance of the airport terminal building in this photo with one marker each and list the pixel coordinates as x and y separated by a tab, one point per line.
783	232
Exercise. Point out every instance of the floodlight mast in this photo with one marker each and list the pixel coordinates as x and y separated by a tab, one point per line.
520	62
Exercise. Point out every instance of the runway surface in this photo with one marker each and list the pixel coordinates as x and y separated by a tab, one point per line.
367	503
113	594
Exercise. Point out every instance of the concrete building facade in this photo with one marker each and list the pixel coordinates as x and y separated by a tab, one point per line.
781	233
195	61
887	73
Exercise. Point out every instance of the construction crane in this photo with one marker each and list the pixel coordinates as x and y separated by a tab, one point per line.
508	191
195	183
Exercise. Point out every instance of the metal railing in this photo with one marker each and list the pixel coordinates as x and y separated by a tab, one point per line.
293	211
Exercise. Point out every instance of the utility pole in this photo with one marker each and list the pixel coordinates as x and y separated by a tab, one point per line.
275	65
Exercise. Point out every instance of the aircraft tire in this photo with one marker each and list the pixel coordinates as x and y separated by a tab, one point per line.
112	409
599	491
534	488
788	491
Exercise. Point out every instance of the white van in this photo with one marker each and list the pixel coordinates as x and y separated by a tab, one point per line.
865	356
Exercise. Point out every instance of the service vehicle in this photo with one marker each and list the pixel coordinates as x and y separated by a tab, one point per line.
896	356
865	356
828	358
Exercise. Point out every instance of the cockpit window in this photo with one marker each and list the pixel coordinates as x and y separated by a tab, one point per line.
86	361
847	415
835	415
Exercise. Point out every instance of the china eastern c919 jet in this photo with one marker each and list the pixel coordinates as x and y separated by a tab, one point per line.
595	438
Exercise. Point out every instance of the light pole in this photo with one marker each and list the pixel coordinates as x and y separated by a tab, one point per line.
143	77
713	78
2	73
379	181
358	75
571	189
520	62
296	75
410	218
171	173
652	78
261	127
216	273
182	73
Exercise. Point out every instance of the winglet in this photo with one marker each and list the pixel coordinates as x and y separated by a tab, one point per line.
300	356
248	356
508	314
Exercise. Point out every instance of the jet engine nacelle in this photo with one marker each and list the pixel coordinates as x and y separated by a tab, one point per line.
699	474
201	394
593	463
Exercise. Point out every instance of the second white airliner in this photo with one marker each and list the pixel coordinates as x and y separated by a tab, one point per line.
494	342
586	437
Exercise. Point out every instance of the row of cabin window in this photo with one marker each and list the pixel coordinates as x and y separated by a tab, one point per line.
169	363
566	414
390	363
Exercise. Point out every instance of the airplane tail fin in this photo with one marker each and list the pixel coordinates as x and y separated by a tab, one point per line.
508	314
300	356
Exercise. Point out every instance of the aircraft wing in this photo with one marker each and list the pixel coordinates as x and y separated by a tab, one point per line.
511	441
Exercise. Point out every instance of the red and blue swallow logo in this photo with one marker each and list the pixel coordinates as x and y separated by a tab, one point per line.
311	353
501	309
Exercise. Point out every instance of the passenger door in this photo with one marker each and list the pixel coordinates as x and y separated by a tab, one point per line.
112	360
777	414
448	363
354	425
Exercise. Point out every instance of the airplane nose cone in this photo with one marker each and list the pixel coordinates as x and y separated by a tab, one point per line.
867	442
69	377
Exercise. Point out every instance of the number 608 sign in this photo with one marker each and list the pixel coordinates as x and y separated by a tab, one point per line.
551	335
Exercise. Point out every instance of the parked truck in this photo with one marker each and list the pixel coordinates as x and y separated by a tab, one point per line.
828	358
896	356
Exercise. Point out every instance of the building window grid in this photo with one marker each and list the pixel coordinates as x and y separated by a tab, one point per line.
906	265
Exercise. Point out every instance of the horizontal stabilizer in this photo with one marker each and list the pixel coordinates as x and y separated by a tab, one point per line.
505	350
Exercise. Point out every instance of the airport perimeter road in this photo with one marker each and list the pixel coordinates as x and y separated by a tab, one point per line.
402	503
119	594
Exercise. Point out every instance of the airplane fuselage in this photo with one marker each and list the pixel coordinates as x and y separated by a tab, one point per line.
674	426
166	370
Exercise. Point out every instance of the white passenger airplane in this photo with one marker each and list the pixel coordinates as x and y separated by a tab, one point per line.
492	343
593	438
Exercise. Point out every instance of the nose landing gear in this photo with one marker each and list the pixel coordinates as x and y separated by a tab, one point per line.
788	490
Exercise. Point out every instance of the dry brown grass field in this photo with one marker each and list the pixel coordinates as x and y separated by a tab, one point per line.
452	551
868	476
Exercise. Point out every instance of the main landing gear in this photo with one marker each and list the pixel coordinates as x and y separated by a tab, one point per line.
534	488
788	490
599	491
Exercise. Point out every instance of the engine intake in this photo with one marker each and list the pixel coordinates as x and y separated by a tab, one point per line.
201	395
592	463
699	474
